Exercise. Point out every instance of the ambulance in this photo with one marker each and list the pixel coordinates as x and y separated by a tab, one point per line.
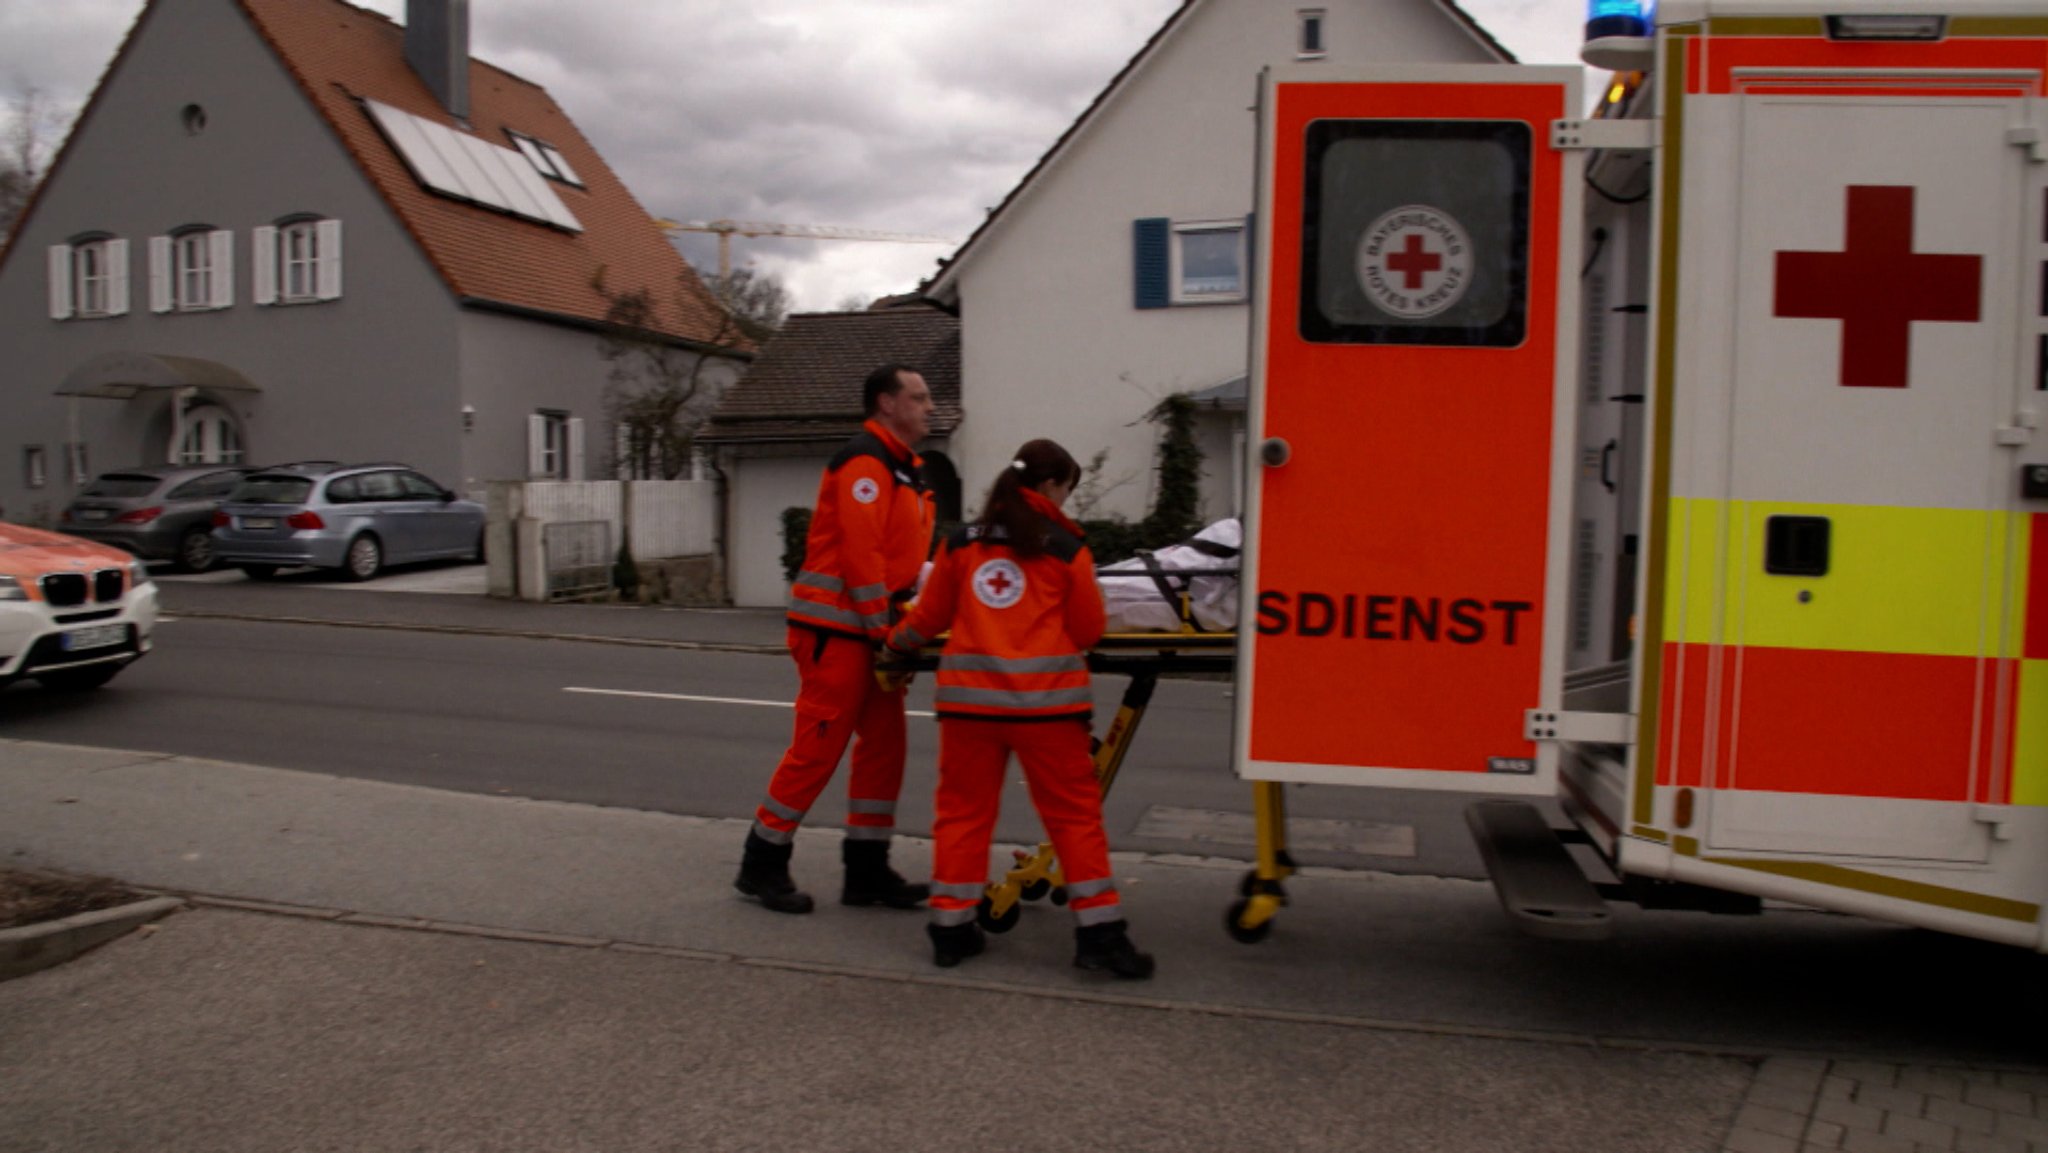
1676	467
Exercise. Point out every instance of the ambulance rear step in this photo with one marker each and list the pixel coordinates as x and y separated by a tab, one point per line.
1542	888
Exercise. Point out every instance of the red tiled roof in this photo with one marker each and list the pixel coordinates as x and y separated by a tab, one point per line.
341	54
806	383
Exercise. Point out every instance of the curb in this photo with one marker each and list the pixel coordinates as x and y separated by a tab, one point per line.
480	631
33	947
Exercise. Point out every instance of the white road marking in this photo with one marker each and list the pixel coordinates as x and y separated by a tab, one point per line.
707	700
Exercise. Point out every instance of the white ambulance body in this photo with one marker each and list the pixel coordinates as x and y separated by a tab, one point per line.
1684	463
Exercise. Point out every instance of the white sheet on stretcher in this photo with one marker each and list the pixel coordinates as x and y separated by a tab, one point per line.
1205	569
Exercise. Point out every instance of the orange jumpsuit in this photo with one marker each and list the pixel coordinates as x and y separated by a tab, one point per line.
1013	678
871	530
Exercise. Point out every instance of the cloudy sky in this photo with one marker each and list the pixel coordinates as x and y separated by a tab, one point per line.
783	110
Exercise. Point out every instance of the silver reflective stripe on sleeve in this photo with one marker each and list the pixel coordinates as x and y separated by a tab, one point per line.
1090	888
1003	698
781	810
868	833
832	613
909	640
987	663
818	580
856	805
1099	915
965	891
952	916
869	593
878	620
774	836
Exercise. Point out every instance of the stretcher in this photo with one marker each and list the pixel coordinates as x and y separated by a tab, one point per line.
1144	658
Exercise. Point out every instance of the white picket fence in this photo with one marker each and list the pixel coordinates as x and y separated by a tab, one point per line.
662	519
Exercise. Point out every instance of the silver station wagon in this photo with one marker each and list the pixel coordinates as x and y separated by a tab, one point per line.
352	518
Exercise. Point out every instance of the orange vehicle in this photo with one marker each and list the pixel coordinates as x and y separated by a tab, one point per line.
72	613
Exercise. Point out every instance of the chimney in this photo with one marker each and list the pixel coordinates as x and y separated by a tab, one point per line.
437	47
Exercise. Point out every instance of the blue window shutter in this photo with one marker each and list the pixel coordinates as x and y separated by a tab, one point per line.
1149	237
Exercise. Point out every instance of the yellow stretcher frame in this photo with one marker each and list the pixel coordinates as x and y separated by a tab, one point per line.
1143	657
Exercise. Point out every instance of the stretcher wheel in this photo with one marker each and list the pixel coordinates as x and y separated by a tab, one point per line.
1036	890
1239	932
984	914
1059	895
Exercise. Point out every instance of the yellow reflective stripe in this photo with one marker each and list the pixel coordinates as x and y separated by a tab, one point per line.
2030	743
1924	581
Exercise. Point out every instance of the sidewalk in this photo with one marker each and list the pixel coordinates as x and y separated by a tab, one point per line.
376	966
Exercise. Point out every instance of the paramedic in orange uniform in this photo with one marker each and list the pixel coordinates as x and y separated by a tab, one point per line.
870	533
1017	591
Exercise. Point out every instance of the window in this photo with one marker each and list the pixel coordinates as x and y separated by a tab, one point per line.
1309	44
212	486
35	466
210	436
381	486
89	278
296	262
347	490
554	446
192	270
1188	262
544	157
74	456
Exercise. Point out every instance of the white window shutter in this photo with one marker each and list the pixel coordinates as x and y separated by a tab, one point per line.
263	265
536	446
117	278
159	274
327	235
575	448
221	250
60	282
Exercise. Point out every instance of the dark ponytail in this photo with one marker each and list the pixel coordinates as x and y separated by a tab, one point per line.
1022	527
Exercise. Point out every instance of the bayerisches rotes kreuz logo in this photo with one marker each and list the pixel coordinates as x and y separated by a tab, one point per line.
865	490
999	583
1415	261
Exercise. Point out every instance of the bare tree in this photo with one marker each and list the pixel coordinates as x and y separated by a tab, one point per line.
29	128
758	300
660	392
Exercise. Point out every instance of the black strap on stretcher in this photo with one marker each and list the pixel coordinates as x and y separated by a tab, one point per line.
1162	577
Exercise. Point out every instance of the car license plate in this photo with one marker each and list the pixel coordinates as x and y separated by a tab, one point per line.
92	514
259	522
97	637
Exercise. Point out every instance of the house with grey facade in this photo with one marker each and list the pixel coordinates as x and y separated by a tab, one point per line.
774	431
1117	271
295	229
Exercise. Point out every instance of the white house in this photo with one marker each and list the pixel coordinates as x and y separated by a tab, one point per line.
1115	273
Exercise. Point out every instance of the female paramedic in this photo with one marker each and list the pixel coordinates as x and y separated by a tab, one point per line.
1017	590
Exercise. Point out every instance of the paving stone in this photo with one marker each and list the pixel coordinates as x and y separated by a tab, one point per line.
1837	1088
1865	1141
2025	1128
2000	1100
2034	1083
1920	1131
1782	1122
1825	1134
1966	1118
1867	1072
1983	1143
1849	1115
1779	1096
1934	1083
1756	1141
1891	1100
1795	1073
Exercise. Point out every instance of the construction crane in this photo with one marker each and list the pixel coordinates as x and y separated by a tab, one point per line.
725	230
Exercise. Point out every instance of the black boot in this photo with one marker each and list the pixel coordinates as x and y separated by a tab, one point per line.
870	880
764	875
952	944
1108	947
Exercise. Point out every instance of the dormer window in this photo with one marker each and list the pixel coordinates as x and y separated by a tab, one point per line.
545	158
1309	43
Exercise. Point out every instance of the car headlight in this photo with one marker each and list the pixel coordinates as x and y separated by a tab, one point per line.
11	590
138	574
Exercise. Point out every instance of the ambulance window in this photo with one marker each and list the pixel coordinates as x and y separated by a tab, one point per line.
1416	232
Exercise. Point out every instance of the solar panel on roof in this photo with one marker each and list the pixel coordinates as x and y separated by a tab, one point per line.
468	168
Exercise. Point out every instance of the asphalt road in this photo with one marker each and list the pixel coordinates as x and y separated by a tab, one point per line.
693	733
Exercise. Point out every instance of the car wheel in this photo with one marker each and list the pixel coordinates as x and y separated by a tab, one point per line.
195	551
259	572
365	557
78	680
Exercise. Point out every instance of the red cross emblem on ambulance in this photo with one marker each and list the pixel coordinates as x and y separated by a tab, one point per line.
1877	286
1414	261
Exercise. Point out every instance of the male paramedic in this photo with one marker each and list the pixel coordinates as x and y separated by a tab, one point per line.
871	531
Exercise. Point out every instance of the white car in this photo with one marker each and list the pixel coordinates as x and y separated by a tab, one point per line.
72	613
